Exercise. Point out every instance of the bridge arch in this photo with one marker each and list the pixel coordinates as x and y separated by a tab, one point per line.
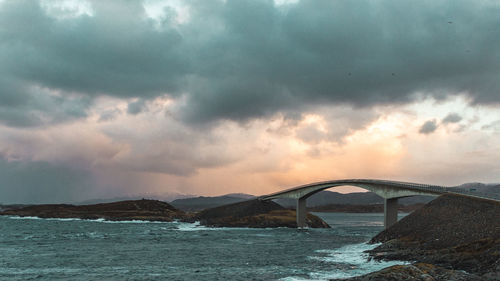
391	191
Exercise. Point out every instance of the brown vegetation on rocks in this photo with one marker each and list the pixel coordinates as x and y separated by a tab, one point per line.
454	232
451	238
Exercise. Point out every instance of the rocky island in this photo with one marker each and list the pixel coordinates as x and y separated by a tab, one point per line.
148	210
254	213
251	213
450	238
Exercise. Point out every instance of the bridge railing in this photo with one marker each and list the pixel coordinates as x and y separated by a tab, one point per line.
428	187
399	184
414	186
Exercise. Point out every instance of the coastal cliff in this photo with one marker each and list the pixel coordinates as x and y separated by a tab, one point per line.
149	210
254	213
450	238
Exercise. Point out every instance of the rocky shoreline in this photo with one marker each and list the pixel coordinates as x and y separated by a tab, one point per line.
147	210
450	238
251	213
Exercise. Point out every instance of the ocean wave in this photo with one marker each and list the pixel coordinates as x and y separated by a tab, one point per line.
127	221
196	226
348	261
24	218
101	220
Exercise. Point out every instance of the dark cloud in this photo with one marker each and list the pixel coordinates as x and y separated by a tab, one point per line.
452	118
428	127
37	106
243	59
135	107
41	182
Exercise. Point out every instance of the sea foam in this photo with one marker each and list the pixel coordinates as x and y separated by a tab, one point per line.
101	220
347	261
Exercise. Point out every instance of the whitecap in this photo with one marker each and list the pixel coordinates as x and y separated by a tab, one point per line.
24	218
196	226
86	220
186	226
349	261
127	221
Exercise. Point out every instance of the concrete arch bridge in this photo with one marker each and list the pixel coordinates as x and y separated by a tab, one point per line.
391	191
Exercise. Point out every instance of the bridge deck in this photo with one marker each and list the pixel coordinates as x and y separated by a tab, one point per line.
389	190
417	187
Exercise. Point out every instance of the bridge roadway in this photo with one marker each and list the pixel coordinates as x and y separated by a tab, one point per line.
391	191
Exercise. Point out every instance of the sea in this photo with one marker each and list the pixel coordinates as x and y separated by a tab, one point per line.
73	249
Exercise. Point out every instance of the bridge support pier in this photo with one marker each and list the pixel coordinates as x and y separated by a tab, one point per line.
301	212
390	212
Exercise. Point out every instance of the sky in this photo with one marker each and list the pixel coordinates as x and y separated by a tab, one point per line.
103	99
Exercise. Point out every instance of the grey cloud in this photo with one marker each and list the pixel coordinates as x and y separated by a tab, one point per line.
135	107
109	115
176	159
244	59
338	122
37	108
452	118
311	135
494	126
41	182
428	127
171	148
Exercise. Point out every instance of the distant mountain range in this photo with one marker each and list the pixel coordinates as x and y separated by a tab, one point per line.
319	199
481	187
323	198
202	202
165	198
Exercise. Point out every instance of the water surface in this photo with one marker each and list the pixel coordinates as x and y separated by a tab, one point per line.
72	249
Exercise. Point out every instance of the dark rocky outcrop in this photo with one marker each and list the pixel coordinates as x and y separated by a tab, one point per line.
150	210
447	221
452	232
415	272
253	213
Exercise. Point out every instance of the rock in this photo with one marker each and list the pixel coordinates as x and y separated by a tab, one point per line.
454	232
447	221
254	213
150	210
416	272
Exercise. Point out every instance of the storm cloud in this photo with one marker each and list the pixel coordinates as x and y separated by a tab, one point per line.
112	98
41	182
244	59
